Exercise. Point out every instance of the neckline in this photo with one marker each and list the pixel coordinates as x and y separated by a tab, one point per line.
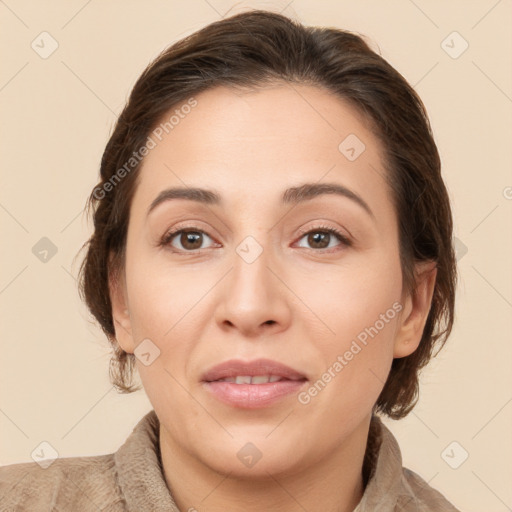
142	481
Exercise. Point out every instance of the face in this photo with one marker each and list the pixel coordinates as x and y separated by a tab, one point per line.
294	258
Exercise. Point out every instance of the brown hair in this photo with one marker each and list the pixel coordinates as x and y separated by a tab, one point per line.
259	48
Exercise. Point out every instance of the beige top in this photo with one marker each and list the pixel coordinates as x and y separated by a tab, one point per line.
132	479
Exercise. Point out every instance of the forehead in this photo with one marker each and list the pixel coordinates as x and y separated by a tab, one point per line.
262	141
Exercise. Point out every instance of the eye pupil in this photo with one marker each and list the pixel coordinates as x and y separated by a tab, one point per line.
192	237
319	240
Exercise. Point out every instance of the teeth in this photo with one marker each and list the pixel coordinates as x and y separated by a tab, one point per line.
247	379
260	379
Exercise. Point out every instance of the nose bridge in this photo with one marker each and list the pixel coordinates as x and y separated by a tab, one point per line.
251	261
253	252
253	296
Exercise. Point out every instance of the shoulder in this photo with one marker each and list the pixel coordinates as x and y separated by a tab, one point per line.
72	483
417	495
393	486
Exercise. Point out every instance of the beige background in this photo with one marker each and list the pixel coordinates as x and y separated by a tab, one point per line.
57	115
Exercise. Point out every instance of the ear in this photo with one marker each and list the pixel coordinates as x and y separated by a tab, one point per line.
414	315
120	310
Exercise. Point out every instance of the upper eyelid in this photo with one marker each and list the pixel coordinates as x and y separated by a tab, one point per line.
177	229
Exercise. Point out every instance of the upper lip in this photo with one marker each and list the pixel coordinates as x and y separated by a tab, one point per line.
235	367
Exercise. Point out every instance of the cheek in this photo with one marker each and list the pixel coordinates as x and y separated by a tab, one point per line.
349	298
167	306
164	303
163	298
358	306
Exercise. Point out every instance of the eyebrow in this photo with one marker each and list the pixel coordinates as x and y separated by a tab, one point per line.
293	195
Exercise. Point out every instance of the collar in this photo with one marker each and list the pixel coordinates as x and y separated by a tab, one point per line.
140	471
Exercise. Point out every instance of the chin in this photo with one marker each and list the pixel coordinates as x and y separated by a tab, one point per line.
254	456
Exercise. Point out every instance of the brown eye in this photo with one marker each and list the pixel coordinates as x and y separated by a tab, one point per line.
319	240
185	240
191	240
324	238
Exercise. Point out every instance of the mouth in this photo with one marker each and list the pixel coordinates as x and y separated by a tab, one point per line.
247	372
256	379
252	384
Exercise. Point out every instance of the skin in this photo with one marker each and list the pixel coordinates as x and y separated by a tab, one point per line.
203	308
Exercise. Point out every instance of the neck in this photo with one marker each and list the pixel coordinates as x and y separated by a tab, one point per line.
334	483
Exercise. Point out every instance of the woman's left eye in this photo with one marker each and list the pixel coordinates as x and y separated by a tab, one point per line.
321	238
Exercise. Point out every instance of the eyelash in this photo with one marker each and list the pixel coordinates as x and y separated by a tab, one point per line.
168	237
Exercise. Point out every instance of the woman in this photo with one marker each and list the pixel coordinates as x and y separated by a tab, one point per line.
272	250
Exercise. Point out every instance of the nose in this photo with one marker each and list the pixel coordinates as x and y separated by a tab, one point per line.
254	298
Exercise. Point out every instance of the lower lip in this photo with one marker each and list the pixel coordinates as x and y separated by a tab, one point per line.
253	396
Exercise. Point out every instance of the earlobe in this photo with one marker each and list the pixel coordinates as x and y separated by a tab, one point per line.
416	309
120	313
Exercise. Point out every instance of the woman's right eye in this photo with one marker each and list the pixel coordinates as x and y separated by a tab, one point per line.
189	239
